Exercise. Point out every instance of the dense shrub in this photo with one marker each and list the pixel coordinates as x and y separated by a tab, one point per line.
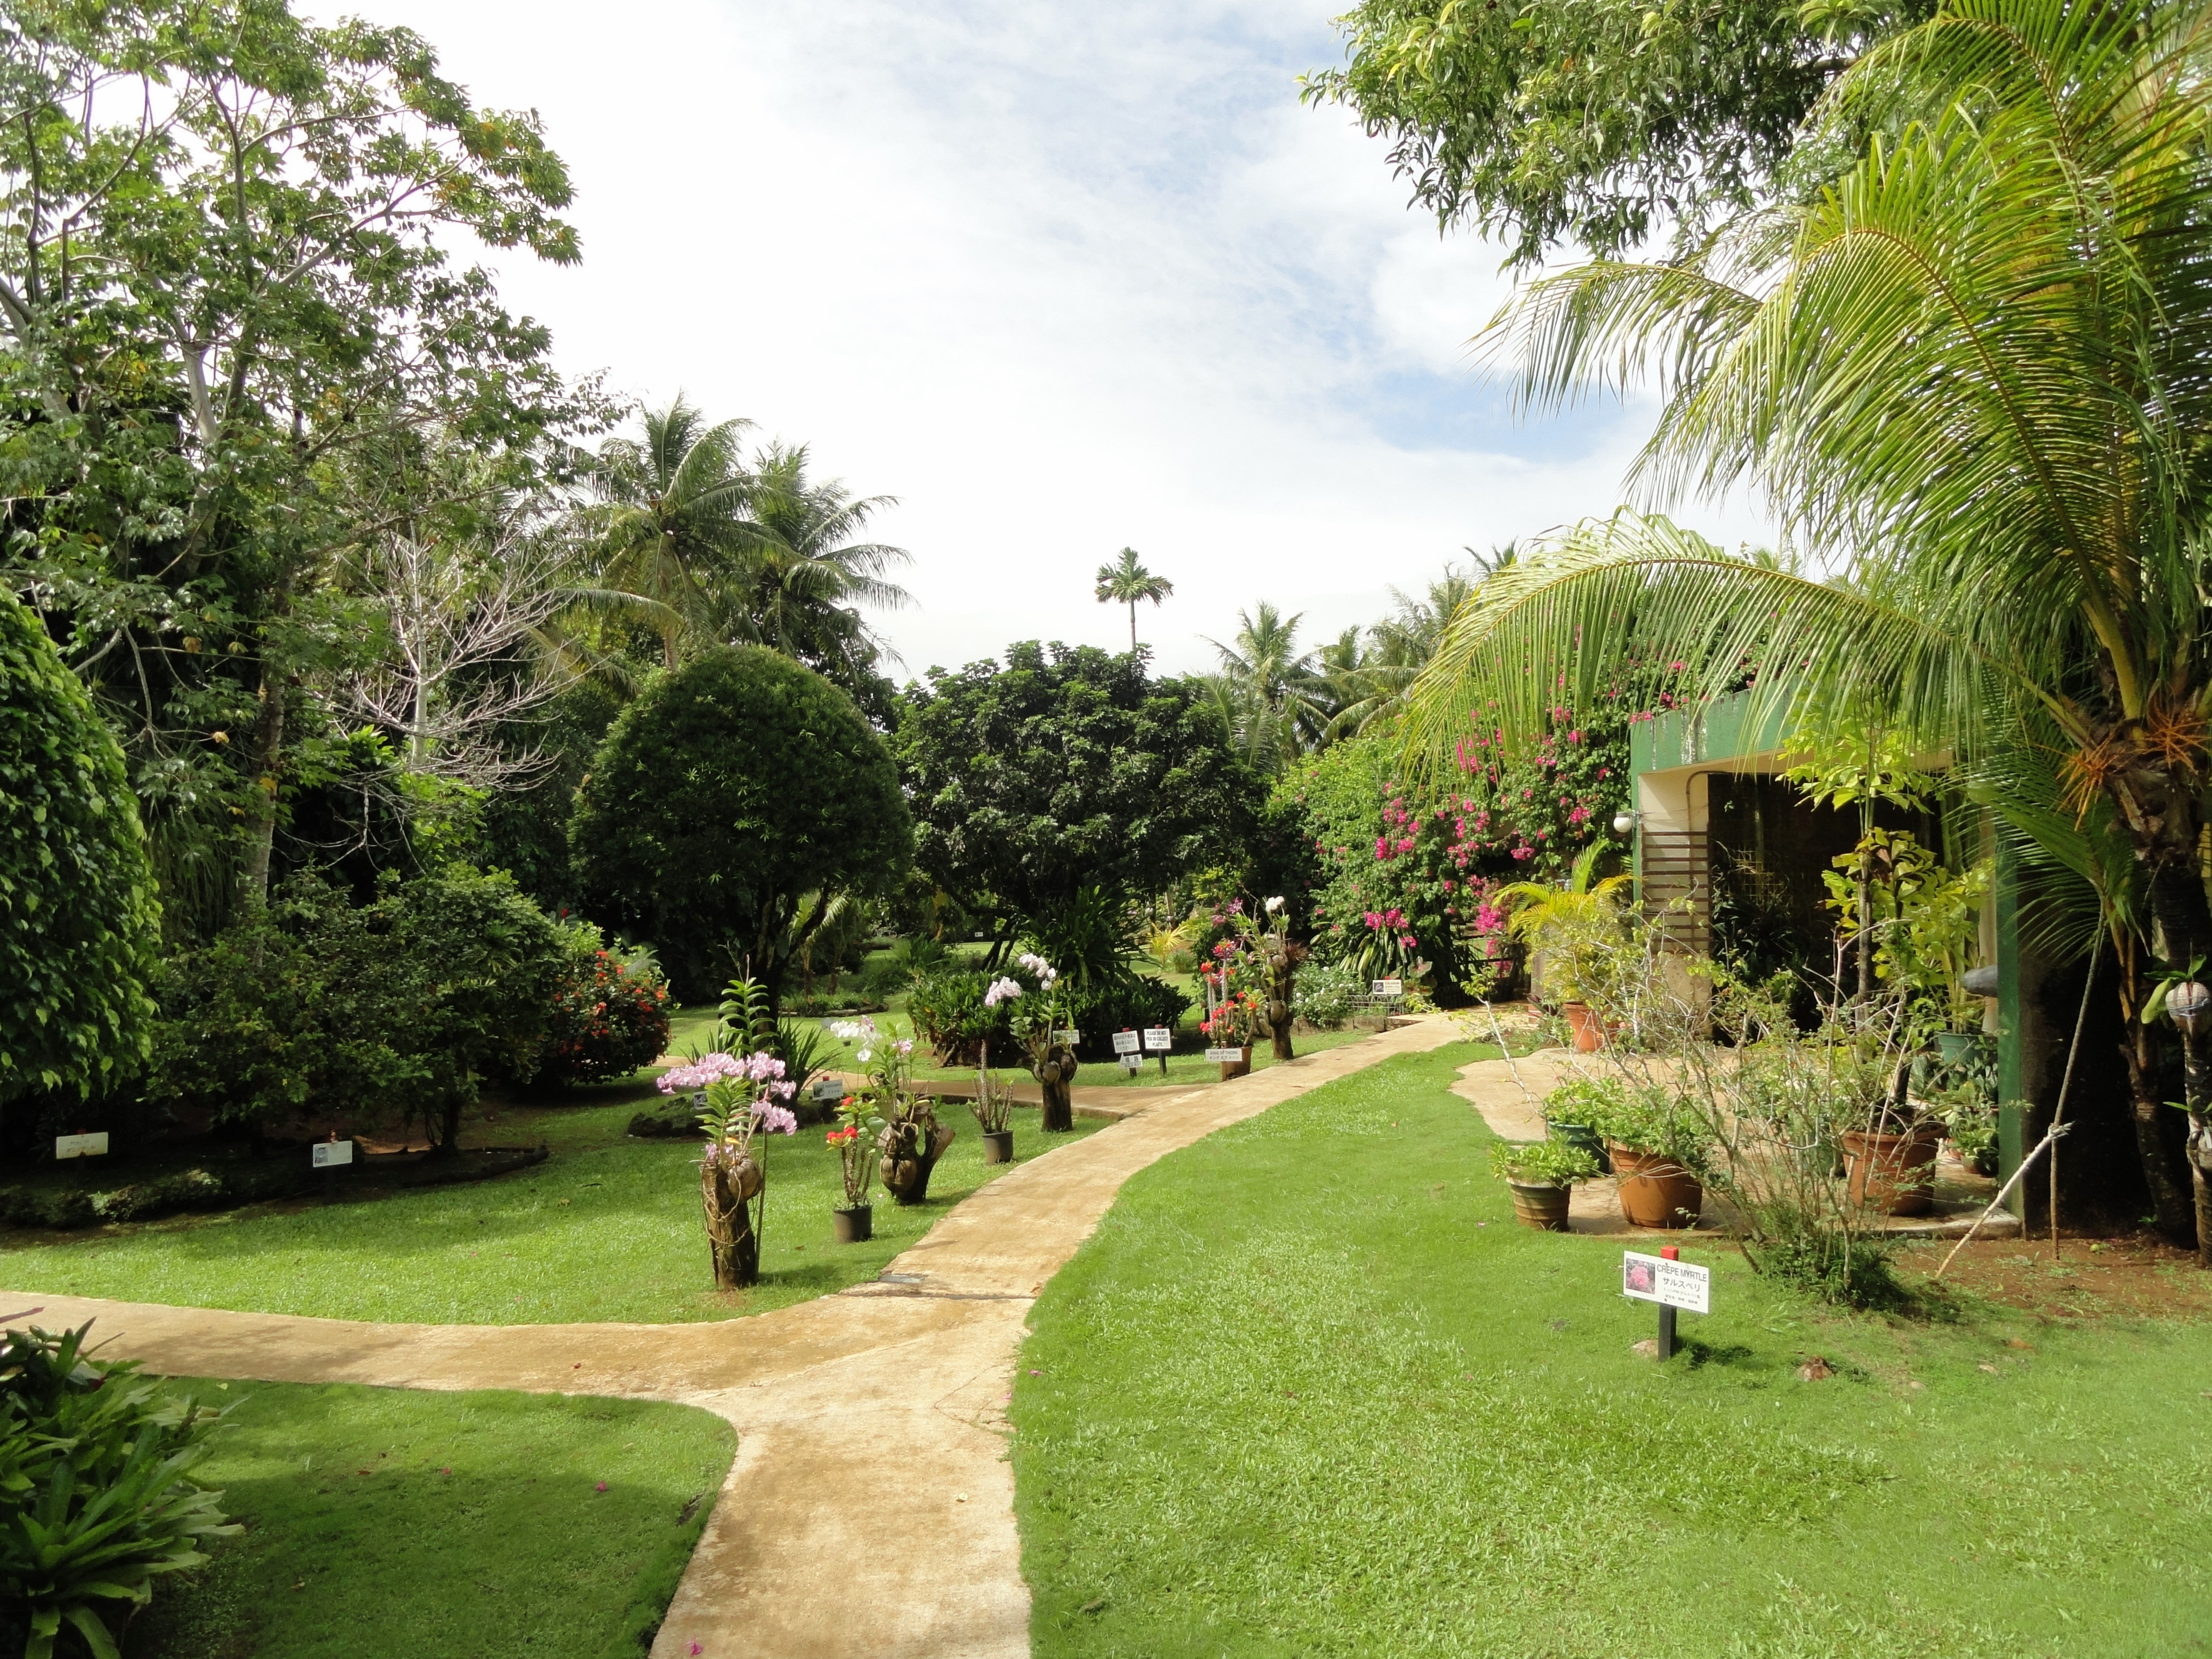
94	1498
609	1013
78	917
729	806
396	1009
216	1186
1327	993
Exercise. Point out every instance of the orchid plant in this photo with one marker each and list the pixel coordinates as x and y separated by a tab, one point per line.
908	1137
1248	978
738	1098
1039	1021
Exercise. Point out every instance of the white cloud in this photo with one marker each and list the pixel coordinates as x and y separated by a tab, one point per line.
1060	277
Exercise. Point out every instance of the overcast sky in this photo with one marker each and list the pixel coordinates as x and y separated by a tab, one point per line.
1061	277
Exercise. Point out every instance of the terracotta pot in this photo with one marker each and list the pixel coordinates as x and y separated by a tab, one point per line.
1589	1030
853	1226
999	1146
1655	1190
1237	1067
1544	1207
1894	1174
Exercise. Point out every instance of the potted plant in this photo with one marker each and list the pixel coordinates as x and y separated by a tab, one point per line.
1542	1175
1575	927
1891	1158
909	1139
854	1222
738	1099
1040	1022
1573	1110
1660	1146
992	1104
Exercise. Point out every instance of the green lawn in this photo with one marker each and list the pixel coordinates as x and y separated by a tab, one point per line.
387	1523
608	1229
1309	1391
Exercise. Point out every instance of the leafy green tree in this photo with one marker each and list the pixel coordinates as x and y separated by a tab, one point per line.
728	809
1126	581
1975	367
79	922
1592	122
220	281
1068	768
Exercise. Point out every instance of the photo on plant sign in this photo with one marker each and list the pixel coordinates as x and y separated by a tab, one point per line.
1637	1278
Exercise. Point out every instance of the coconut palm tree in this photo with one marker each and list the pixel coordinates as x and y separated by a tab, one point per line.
674	517
1269	691
1124	581
805	573
1971	370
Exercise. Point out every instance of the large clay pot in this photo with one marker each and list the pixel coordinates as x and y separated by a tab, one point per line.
1544	1207
1655	1190
854	1226
1588	1030
1894	1173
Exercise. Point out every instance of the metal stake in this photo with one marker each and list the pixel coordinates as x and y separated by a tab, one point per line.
1667	1253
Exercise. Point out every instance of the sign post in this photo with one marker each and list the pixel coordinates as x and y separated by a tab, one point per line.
327	1156
1158	1040
1387	991
1671	1282
1127	1047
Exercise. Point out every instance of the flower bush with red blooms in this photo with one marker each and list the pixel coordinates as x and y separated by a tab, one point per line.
1405	880
610	1015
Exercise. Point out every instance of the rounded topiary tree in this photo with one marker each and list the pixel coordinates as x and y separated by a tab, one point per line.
79	920
728	808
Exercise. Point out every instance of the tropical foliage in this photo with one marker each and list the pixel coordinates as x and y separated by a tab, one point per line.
1970	367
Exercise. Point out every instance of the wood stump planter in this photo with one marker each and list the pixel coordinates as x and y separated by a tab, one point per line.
1655	1191
1588	1029
907	1160
1894	1173
998	1145
1543	1206
854	1226
1055	1076
1237	1067
727	1185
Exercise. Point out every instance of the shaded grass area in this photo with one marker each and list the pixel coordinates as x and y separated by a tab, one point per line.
1309	1390
420	1525
608	1229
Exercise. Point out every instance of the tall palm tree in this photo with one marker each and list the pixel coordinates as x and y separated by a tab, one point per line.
1268	690
673	516
806	571
1973	366
1124	581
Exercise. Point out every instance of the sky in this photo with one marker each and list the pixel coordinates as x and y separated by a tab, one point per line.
1062	278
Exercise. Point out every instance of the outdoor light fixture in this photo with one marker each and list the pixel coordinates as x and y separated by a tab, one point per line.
2190	1005
1624	824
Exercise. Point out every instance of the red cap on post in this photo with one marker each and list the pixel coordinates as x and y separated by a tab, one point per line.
1669	1253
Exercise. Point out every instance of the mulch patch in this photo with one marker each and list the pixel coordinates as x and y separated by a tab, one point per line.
2134	1277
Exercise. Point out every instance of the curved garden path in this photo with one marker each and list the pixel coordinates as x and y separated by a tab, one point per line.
869	1508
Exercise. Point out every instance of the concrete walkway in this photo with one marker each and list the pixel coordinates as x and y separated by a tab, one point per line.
871	1506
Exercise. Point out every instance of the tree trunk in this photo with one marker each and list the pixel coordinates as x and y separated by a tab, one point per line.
1056	1077
727	1188
2171	1206
261	758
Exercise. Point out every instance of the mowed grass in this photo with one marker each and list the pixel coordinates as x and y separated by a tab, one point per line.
1310	1391
607	1230
387	1523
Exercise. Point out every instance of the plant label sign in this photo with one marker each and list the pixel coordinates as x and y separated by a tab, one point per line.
1670	1284
329	1154
1068	1037
829	1089
1389	987
81	1145
1158	1039
1230	1056
1125	1042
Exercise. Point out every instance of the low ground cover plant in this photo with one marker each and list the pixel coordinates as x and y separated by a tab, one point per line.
98	1495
